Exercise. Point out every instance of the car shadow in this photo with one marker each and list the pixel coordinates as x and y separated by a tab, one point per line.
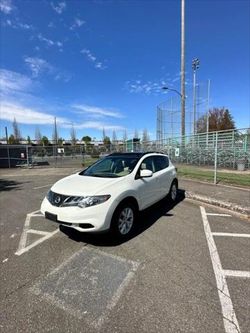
146	219
9	185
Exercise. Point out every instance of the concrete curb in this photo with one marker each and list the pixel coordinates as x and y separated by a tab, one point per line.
218	203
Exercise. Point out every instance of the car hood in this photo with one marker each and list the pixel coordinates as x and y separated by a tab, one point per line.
76	185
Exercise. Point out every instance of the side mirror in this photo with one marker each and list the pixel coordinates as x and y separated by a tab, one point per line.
146	173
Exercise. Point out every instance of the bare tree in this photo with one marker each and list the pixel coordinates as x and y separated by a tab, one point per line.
125	136
55	133
145	135
114	140
38	136
16	131
136	134
114	137
145	138
103	134
73	135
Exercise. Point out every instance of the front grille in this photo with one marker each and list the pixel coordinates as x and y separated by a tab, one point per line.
56	199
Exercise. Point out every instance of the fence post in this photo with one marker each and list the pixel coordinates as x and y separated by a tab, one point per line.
27	155
215	158
8	153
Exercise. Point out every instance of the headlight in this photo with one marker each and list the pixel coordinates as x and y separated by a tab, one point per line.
83	202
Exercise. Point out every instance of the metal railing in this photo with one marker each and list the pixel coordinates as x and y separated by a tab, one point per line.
225	149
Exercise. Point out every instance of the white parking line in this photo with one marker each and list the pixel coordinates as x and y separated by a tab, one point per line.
37	188
243	274
230	234
38	232
40	240
23	238
229	317
214	214
22	248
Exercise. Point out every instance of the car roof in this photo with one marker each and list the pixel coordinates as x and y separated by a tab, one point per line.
136	154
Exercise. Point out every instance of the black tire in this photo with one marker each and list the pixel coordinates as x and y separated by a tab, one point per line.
173	192
123	219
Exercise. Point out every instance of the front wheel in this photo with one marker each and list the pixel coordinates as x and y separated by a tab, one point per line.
173	192
123	219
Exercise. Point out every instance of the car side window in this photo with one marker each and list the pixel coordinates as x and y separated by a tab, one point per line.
148	164
160	162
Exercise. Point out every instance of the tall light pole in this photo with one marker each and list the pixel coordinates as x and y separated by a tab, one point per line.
171	89
177	92
195	66
183	68
208	96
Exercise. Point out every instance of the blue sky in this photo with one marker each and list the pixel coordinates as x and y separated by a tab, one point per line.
101	64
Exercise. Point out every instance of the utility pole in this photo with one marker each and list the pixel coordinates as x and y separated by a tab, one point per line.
183	69
195	66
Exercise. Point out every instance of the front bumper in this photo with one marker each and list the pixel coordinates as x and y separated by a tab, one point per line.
90	219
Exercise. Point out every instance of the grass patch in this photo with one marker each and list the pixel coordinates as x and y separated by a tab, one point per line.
88	161
207	175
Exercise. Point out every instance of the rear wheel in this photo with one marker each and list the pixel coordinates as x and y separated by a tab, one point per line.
173	192
123	219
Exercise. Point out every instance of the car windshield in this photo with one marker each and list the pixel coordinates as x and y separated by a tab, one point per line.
111	167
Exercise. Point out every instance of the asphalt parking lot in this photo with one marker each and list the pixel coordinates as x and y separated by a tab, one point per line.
186	268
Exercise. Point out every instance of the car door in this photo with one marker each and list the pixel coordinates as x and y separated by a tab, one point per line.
147	187
163	173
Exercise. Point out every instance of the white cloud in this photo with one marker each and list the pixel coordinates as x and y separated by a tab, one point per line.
63	76
49	42
98	126
29	116
11	82
77	23
59	7
92	58
6	6
99	65
51	25
94	110
147	87
16	24
38	66
89	55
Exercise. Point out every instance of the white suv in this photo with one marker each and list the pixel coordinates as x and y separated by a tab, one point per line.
109	193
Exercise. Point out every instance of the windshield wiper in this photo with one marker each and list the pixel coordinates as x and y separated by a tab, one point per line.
102	175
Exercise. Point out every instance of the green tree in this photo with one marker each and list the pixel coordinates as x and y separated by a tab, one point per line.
60	141
219	120
11	140
28	140
86	139
106	142
45	141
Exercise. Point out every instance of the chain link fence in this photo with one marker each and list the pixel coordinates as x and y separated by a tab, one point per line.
225	149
